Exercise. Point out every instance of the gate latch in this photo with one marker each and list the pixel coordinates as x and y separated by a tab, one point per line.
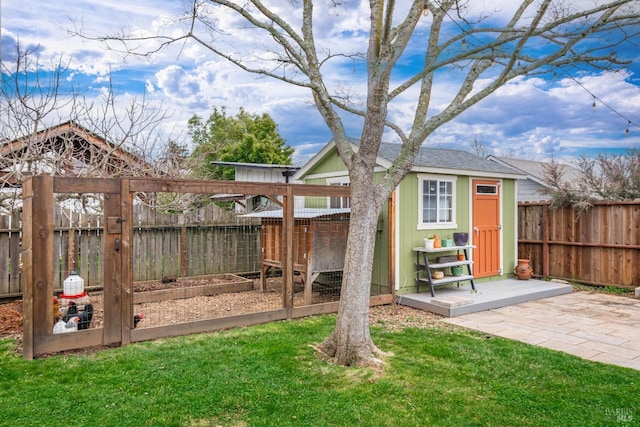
114	225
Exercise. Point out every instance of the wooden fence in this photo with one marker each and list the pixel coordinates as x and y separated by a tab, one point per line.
10	246
204	241
600	246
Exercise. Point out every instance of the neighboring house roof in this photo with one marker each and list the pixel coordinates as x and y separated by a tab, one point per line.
257	166
536	170
430	160
271	173
77	142
535	188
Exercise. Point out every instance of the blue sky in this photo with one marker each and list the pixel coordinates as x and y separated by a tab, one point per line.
539	117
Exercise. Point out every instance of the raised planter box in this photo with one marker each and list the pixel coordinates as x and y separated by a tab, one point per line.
224	283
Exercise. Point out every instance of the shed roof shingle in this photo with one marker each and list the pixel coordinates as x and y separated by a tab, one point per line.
448	159
445	158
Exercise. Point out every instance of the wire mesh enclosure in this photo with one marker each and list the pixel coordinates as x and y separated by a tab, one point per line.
320	242
152	272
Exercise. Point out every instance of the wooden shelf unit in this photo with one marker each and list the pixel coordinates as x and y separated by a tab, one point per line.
427	266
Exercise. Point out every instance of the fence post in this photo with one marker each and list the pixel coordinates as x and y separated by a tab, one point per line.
5	243
545	241
392	246
288	223
37	247
112	330
14	253
126	257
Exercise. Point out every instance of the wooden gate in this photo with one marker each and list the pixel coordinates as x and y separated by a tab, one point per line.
38	271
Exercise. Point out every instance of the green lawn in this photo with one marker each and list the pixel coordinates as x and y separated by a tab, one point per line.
269	375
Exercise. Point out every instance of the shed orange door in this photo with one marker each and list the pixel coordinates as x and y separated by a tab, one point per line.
486	228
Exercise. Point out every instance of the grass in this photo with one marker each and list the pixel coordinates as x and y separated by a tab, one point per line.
608	289
269	375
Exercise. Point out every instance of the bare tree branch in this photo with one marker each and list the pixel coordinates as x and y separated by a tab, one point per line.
49	128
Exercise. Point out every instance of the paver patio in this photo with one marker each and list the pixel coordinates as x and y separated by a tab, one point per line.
599	327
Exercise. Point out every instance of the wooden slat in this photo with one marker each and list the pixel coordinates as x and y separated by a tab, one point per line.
391	209
288	223
183	254
71	341
42	267
158	254
315	309
208	325
332	307
204	187
14	252
27	262
85	185
190	292
4	254
126	268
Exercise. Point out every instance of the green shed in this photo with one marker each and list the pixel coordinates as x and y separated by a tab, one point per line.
446	192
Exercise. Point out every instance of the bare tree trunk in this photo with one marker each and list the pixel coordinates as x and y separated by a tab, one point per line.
350	342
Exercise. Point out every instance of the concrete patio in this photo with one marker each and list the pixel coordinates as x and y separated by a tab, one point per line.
452	301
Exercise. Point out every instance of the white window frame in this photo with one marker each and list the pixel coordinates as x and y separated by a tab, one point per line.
340	180
438	224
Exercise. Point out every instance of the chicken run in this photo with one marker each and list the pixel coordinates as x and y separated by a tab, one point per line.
158	313
191	307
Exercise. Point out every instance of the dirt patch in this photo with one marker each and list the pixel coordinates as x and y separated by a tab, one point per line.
396	317
11	319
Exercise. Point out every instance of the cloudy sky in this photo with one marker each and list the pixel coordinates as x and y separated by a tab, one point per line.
541	116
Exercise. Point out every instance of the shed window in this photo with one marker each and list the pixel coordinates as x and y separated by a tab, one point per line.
339	202
486	189
436	202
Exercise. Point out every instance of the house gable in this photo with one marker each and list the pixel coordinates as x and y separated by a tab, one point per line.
79	151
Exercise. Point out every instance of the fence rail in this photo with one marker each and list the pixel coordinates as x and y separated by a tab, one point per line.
600	246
